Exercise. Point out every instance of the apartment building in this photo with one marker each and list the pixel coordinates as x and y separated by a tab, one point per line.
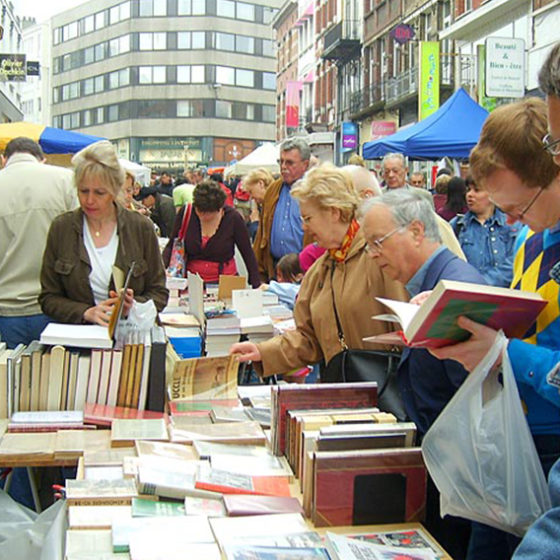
172	83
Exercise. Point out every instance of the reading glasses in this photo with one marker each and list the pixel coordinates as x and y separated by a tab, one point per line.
550	145
376	246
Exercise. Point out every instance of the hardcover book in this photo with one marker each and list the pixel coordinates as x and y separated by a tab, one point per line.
305	397
434	323
368	487
245	504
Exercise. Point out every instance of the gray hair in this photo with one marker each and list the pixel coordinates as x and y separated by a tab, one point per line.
362	179
298	144
406	206
394	155
549	74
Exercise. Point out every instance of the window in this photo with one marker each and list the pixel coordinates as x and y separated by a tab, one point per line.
225	75
56	95
243	111
89	54
245	11
99	52
269	113
244	78
119	45
120	12
225	41
153	8
183	40
87	86
57	34
223	109
268	47
119	78
100	115
188	108
87	118
152	74
70	31
197	74
153	108
268	14
191	40
198	40
269	80
160	41
99	20
190	74
88	24
99	84
245	44
113	113
114	15
153	41
191	7
225	8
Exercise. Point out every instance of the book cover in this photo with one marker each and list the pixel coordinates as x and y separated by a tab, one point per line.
325	395
368	487
13	366
202	407
25	380
210	507
205	378
125	371
166	450
79	336
64	384
100	492
96	517
434	323
227	482
56	375
245	504
103	415
263	552
142	507
124	432
232	432
155	399
36	349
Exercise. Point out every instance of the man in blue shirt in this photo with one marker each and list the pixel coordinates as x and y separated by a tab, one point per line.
280	228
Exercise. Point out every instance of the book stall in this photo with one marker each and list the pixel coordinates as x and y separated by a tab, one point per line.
176	459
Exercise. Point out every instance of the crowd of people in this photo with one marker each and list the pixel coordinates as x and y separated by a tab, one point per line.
327	240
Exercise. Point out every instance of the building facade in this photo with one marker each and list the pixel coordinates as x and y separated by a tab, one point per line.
173	83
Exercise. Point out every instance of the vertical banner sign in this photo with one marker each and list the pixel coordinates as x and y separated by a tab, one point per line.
428	91
505	67
292	104
349	138
489	103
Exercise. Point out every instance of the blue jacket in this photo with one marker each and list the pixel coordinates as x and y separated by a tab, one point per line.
541	541
489	246
427	384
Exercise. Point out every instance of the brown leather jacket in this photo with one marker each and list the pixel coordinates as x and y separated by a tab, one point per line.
65	288
261	245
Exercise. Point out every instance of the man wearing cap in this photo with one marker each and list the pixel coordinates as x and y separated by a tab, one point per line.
161	207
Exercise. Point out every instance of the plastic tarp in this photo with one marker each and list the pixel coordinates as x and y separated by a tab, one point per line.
141	173
451	131
265	156
52	140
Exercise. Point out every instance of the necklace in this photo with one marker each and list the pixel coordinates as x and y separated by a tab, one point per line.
97	233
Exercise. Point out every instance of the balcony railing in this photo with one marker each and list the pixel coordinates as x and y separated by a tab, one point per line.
342	41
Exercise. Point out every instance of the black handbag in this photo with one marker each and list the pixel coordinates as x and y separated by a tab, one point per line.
354	365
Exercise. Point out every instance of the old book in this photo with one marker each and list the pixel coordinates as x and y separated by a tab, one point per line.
72	380
409	428
89	543
125	370
166	450
138	371
4	383
60	417
232	432
114	377
169	479
107	457
13	365
36	349
100	492
136	355
368	487
94	375
179	320
325	395
124	432
209	507
78	336
434	323
64	383
104	374
44	382
96	517
369	441
200	407
175	548
25	380
71	444
226	414
283	529
155	399
239	504
205	378
141	389
141	507
103	415
115	472
28	446
225	482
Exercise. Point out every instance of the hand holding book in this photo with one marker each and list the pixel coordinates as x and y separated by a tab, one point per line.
100	314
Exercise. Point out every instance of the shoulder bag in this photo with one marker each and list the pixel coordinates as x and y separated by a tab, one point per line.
353	365
178	259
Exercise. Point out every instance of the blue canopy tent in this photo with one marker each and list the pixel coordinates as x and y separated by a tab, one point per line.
451	131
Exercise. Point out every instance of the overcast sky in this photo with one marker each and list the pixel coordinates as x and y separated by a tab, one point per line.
43	9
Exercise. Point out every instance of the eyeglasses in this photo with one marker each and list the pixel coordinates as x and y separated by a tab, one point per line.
376	246
551	146
520	215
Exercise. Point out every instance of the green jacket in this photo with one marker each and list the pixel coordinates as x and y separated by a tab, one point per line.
65	289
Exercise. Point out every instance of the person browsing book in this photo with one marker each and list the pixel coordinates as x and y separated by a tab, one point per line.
517	163
77	283
402	236
343	276
212	233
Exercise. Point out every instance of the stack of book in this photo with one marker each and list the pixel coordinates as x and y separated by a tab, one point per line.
221	332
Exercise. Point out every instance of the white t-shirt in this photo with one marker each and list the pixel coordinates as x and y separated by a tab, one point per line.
102	260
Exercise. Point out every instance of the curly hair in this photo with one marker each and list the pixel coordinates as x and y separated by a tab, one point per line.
208	196
99	160
329	187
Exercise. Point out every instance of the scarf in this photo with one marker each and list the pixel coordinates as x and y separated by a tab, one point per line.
339	255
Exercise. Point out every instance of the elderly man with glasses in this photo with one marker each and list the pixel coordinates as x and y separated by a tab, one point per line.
402	235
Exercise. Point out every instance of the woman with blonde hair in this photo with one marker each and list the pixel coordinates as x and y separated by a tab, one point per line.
255	184
84	245
340	286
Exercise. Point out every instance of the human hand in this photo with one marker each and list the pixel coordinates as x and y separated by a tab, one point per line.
100	314
420	298
246	351
473	350
128	301
263	287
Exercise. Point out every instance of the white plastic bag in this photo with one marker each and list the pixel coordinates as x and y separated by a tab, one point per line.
481	455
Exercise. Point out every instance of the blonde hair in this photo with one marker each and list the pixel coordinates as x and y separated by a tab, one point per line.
99	160
260	174
328	187
441	183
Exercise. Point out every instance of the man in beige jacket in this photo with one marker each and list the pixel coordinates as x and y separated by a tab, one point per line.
32	195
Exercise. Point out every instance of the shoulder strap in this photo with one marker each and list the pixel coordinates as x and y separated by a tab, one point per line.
338	325
459	225
185	222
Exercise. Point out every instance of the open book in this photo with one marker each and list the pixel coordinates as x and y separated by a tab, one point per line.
434	323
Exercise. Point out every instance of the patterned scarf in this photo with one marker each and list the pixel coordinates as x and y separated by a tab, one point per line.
339	255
